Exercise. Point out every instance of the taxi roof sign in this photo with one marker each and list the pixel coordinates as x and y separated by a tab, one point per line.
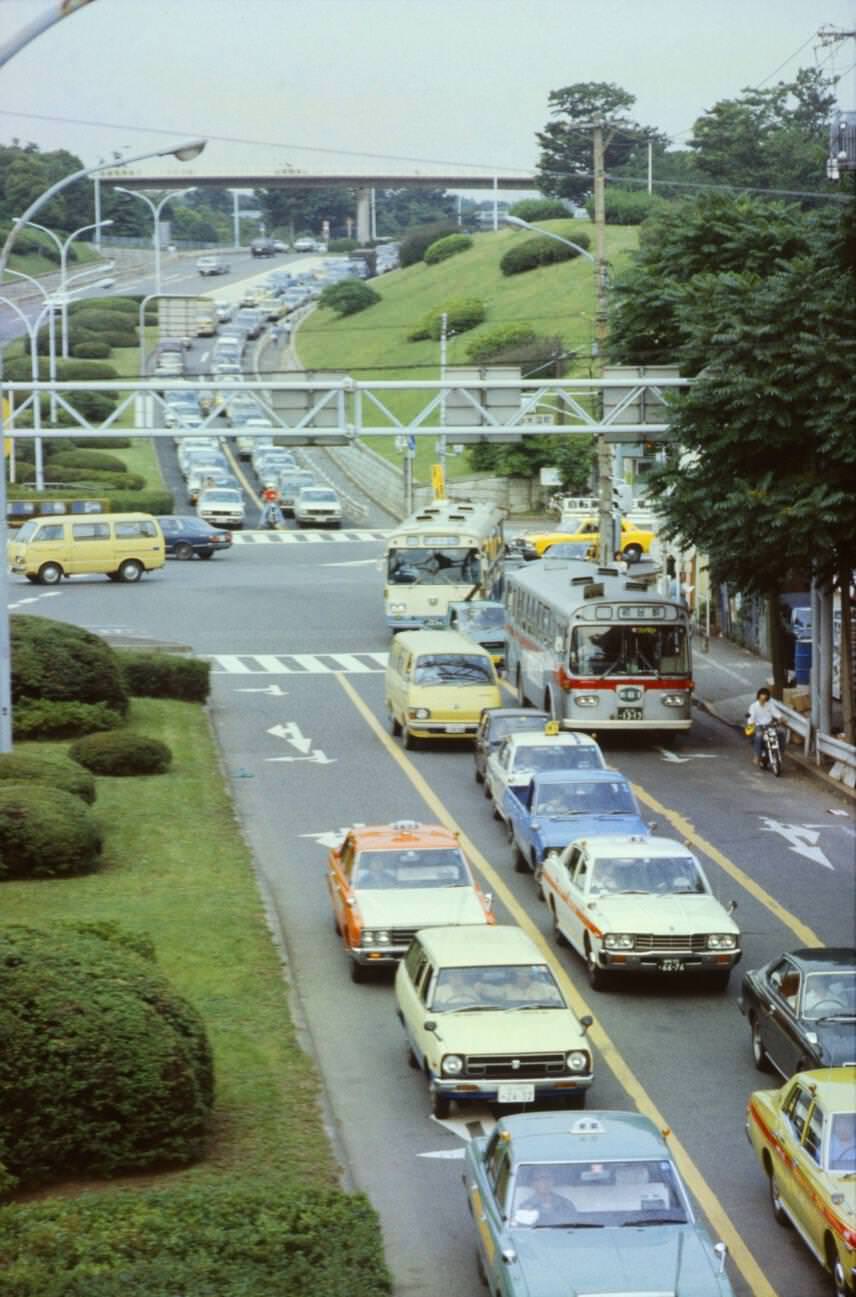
587	1126
552	727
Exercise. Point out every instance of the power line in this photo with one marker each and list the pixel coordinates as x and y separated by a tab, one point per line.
690	184
770	75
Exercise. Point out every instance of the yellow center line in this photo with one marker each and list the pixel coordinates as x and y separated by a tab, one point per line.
239	474
719	1219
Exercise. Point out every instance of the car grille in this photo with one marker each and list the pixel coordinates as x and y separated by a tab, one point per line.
517	1066
494	646
401	936
691	944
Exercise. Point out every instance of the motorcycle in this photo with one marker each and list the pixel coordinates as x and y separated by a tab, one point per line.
771	748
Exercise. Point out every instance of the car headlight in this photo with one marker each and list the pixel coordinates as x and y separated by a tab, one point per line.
722	941
586	700
398	607
367	937
382	937
418	713
618	941
675	700
577	1061
453	1065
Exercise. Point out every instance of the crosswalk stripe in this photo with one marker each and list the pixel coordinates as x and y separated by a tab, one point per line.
297	664
269	662
233	665
249	537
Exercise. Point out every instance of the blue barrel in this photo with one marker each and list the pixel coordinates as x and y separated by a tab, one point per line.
802	661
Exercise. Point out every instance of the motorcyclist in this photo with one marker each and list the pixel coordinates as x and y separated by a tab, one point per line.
761	713
271	514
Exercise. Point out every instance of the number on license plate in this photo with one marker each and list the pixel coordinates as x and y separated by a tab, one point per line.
671	965
630	713
520	1093
455	729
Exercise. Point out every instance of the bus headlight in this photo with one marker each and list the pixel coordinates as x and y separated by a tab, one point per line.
586	700
453	1065
675	700
577	1061
722	941
618	941
418	713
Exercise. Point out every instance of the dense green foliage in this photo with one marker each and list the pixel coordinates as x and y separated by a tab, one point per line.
97	459
104	1068
449	246
416	242
121	753
90	350
147	501
565	162
628	206
165	675
44	833
101	443
128	305
54	660
348	297
540	251
461	315
573	456
199	1240
342	245
25	174
50	769
42	718
487	344
538	209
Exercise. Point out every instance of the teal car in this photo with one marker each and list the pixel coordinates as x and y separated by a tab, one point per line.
565	1206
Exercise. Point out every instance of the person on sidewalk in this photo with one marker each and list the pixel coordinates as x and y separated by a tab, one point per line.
761	713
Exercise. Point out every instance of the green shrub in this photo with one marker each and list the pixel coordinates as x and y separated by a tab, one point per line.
45	833
103	481
461	315
229	1240
140	943
504	335
78	458
153	501
36	719
118	339
413	245
342	245
128	305
50	769
121	753
104	1068
447	247
539	209
105	321
72	371
165	675
629	206
348	297
541	251
53	660
90	350
96	406
101	443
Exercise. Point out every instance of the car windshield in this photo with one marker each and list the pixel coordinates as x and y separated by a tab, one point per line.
513	986
430	867
559	756
664	875
580	1195
586	798
502	725
481	617
311	496
841	1154
452	669
629	651
434	567
222	497
830	995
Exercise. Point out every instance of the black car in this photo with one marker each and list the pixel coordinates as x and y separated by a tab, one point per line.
801	1009
186	535
263	248
495	723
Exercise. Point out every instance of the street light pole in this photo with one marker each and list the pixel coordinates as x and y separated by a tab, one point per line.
63	246
156	209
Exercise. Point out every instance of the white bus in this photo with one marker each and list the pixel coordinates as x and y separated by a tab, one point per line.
448	551
598	648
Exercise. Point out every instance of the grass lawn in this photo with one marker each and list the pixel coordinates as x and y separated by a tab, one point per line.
556	300
176	866
33	263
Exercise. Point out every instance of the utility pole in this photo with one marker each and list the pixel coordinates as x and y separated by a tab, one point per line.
606	526
444	343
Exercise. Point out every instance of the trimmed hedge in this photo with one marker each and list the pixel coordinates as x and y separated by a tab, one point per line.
101	481
104	1067
158	501
504	335
237	1240
463	314
79	370
105	321
101	443
539	209
90	350
79	458
541	251
127	305
447	247
348	297
42	719
629	206
165	675
416	241
121	754
55	661
50	769
342	245
45	833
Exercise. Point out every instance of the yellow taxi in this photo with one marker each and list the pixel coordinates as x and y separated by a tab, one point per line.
634	540
387	881
804	1136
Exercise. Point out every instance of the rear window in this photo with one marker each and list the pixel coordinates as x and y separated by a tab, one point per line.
137	527
91	531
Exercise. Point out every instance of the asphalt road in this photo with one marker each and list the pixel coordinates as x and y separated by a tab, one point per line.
675	1045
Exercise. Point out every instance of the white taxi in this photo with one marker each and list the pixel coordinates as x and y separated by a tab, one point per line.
521	755
639	905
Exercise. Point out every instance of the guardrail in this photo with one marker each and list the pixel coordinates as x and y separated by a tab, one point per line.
819	745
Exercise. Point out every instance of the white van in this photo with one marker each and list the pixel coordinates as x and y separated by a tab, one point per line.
120	545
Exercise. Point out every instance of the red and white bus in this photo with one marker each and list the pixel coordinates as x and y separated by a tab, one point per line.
597	647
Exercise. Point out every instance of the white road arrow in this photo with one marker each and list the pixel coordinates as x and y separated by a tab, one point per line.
480	1122
290	731
691	756
318	757
273	691
332	837
800	837
354	562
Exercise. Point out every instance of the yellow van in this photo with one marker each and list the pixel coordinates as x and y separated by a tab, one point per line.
437	685
121	545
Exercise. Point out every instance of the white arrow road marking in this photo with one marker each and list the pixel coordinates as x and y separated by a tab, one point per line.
668	755
480	1122
273	690
354	562
292	734
446	1153
800	837
332	837
317	756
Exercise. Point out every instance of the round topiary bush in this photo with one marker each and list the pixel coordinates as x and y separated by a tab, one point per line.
104	1067
55	661
45	833
90	350
447	247
50	769
539	209
494	340
540	252
165	675
348	297
121	753
89	459
463	314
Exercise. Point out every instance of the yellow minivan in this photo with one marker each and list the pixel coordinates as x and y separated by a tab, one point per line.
121	545
437	685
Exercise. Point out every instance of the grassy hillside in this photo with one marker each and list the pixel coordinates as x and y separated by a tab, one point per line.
556	300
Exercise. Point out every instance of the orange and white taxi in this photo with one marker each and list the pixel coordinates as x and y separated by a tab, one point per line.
386	881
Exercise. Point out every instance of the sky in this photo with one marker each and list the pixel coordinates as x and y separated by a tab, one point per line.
321	84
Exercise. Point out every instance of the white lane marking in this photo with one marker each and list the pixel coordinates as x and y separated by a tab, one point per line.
448	1153
691	756
297	664
292	734
353	664
249	536
233	665
800	837
354	562
271	663
272	691
318	757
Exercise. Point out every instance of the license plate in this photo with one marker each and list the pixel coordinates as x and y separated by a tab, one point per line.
456	729
520	1093
630	713
671	965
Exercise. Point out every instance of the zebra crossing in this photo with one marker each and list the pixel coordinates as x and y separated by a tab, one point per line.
296	664
305	537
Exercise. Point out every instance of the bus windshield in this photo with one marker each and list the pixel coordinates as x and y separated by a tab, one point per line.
434	567
629	651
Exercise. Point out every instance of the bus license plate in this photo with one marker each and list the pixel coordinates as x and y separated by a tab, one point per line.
519	1093
671	965
456	729
630	713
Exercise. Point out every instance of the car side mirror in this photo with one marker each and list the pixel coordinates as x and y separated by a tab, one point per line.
431	1026
732	906
488	900
652	824
721	1251
587	1021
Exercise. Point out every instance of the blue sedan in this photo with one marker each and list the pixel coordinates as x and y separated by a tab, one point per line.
186	535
